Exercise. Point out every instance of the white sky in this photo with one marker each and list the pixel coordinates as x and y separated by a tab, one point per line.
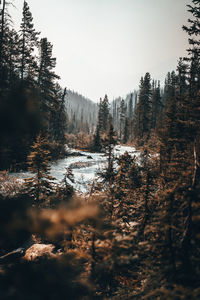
105	46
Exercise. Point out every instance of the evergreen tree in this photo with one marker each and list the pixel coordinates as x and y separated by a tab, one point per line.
13	58
136	100
145	104
122	118
104	114
4	44
189	122
126	131
27	45
169	87
156	106
193	31
147	184
182	69
2	32
109	143
40	185
143	109
115	114
100	116
61	118
97	145
46	75
122	177
130	107
169	132
20	123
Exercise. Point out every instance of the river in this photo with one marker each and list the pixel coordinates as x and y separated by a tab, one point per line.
84	166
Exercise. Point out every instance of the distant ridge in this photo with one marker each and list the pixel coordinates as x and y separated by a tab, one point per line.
81	108
85	111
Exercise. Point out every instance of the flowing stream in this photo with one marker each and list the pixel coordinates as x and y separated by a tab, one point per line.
84	166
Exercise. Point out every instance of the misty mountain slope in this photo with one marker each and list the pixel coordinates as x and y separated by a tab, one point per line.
81	110
122	109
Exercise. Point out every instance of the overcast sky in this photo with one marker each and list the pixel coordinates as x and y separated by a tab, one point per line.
105	46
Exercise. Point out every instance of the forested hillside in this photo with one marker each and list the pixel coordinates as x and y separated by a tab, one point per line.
122	112
81	112
135	232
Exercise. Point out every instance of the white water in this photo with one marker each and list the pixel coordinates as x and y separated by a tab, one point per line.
83	167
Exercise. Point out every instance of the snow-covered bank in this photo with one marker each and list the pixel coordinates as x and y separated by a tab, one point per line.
84	167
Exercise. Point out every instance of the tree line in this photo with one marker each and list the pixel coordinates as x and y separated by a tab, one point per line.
31	99
136	235
160	195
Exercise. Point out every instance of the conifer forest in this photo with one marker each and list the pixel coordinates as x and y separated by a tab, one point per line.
130	229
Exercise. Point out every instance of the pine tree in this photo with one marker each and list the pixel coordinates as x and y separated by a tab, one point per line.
4	44
122	118
182	69
105	113
146	190
130	107
180	170
126	131
46	74
193	31
100	115
109	143
27	45
61	125
13	58
114	114
143	108
40	185
97	145
57	124
189	121
52	98
156	106
122	177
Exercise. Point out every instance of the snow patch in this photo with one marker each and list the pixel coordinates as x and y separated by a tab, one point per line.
84	167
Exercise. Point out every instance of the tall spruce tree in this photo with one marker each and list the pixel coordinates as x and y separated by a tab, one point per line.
109	143
100	115
130	107
193	31
122	118
59	116
143	108
13	58
46	74
105	113
27	45
156	106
